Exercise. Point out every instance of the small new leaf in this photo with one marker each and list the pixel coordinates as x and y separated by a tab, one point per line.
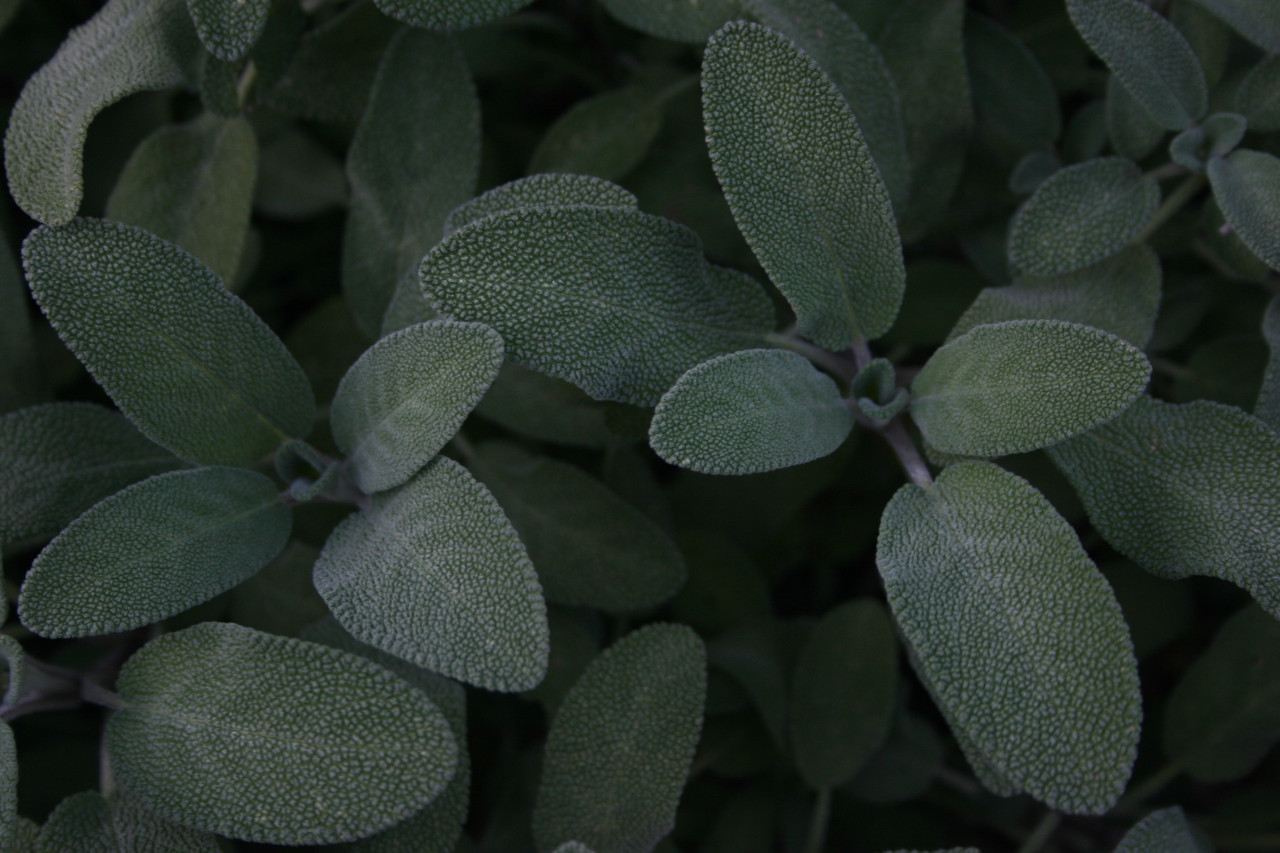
1164	831
228	28
1246	184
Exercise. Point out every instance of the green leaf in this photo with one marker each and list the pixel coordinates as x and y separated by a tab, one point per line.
1024	384
129	46
280	599
1267	409
905	765
228	28
1163	831
299	178
752	655
1184	490
1081	215
1226	370
1216	137
802	185
1148	54
154	550
622	742
192	184
1031	171
434	573
681	20
843	692
21	374
590	546
1012	94
1016	633
605	135
194	368
748	412
414	158
1134	133
586	289
449	14
1258	97
15	661
1120	295
87	823
323	745
1256	20
1245	185
535	405
8	785
407	396
555	190
1208	36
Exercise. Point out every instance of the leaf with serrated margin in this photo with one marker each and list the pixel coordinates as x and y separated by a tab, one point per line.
1134	133
190	364
618	302
1012	93
406	397
802	185
228	28
1185	490
1024	384
87	823
1017	633
1163	831
1258	97
552	190
1267	409
1246	185
749	412
680	20
605	135
621	745
1081	215
1256	20
129	46
154	550
449	14
21	374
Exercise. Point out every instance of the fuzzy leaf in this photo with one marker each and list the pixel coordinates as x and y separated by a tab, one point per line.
1258	97
681	20
1163	831
449	14
749	412
87	823
228	28
1256	20
1245	185
194	368
1267	409
1216	137
553	190
1024	384
1012	94
1134	133
605	135
21	374
407	396
622	742
1017	634
1081	215
433	573
578	292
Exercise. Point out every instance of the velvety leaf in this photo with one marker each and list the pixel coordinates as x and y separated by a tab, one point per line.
1256	20
434	573
1016	633
87	823
323	745
620	746
25	836
1217	136
228	28
21	374
1245	185
605	135
1208	36
554	190
1258	97
1163	831
1023	384
1012	94
128	46
681	20
1134	133
1081	215
536	405
194	368
748	412
802	185
583	290
449	14
1267	409
407	396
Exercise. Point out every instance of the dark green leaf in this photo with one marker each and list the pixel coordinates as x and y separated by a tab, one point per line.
228	28
1012	94
682	20
8	786
573	646
724	588
449	14
1256	20
298	178
556	190
606	135
536	405
1032	170
87	823
1164	831
903	768
1245	185
1134	133
1216	137
280	599
1226	370
1267	409
21	374
1258	97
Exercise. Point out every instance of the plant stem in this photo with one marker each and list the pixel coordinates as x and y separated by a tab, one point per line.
1168	170
1041	833
817	837
834	363
1148	787
1175	202
957	781
93	692
908	454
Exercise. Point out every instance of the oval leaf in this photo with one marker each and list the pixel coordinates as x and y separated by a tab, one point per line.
449	14
1012	94
1245	185
1258	97
681	20
605	135
87	823
228	28
554	190
1256	20
1267	408
1165	831
1134	133
22	381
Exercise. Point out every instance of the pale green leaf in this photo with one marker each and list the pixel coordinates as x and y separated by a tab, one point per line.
228	28
1024	384
555	190
536	405
322	745
1016	633
1185	490
1256	20
681	20
192	184
605	135
1258	97
129	46
1245	185
449	14
1267	409
1217	136
8	785
434	573
1163	831
589	546
87	823
1012	94
748	412
194	368
1134	133
407	396
621	744
579	293
21	374
280	599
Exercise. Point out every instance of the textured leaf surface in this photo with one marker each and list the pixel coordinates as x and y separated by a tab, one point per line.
590	546
1256	20
449	14
228	28
1012	94
1245	185
1081	215
616	301
1267	409
407	396
433	573
1185	490
87	823
552	190
1016	632
194	368
622	742
1164	831
21	374
323	745
605	135
748	412
1258	97
1023	384
681	20
802	185
154	550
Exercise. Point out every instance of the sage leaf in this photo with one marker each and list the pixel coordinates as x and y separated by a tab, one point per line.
535	405
605	135
1256	20
60	459
192	185
584	289
573	646
1258	97
433	573
1184	490
622	742
573	847
551	190
190	364
1012	94
87	823
414	158
1081	215
903	767
407	396
228	28
680	20
8	784
1024	384
299	178
1134	133
128	46
1151	58
280	599
1163	831
21	374
1245	184
843	692
752	654
590	546
1016	632
449	14
1216	137
154	550
802	185
1267	409
749	412
323	745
